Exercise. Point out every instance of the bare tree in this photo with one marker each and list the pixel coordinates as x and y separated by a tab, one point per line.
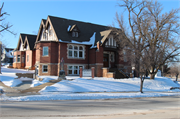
151	37
4	26
174	70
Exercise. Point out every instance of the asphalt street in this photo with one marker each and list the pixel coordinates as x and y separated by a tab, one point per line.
161	107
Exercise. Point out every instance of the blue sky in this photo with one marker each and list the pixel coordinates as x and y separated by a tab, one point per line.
26	15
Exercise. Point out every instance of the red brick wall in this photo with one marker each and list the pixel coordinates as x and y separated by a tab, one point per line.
63	49
37	52
53	52
99	55
92	55
33	59
19	65
28	63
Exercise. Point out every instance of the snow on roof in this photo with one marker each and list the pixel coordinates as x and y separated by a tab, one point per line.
90	42
9	54
68	29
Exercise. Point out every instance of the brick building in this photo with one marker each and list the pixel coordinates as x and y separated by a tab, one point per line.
80	44
24	56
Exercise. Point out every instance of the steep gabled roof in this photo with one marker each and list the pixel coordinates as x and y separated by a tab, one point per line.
30	40
42	25
21	39
60	26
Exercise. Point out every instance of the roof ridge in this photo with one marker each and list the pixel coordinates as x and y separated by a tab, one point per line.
25	34
78	21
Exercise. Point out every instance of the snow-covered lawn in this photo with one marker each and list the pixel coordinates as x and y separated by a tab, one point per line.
97	88
9	78
111	85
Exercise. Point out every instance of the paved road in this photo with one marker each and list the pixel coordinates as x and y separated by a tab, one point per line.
160	108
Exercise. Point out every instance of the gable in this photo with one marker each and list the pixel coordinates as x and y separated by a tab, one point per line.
21	47
46	32
29	42
42	26
21	41
26	45
110	42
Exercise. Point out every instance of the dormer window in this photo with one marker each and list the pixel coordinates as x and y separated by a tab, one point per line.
73	30
74	34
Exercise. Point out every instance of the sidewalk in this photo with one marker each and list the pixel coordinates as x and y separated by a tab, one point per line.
8	89
24	89
37	88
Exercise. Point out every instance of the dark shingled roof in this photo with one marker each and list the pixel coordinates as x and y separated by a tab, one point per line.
23	36
44	21
21	39
87	30
31	40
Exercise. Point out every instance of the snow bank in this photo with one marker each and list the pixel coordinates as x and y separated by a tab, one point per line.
9	79
45	80
111	85
85	96
9	70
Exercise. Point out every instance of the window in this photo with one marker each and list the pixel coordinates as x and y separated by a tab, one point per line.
75	51
125	56
112	57
14	58
45	68
18	58
27	58
74	34
44	35
22	59
50	32
111	43
70	69
74	69
45	51
80	52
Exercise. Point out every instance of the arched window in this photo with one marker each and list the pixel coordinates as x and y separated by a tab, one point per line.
81	51
75	51
70	47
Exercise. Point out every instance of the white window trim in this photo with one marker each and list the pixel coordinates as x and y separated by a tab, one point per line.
15	58
83	51
78	73
19	58
113	60
111	42
43	68
75	34
125	56
43	51
23	61
28	58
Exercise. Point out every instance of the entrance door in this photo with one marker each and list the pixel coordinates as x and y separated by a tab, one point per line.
106	60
